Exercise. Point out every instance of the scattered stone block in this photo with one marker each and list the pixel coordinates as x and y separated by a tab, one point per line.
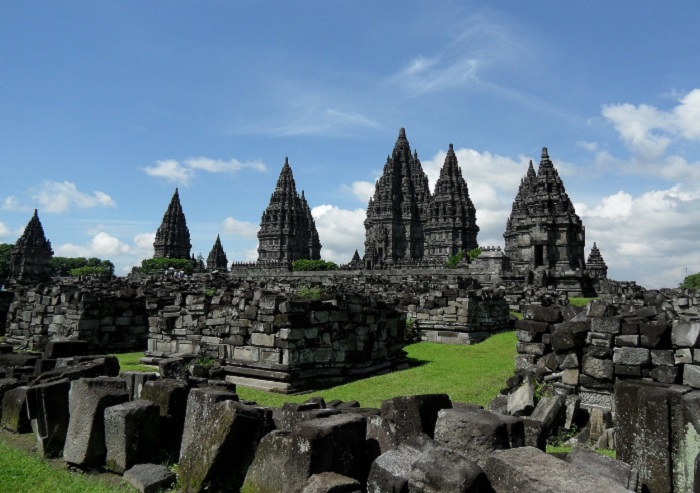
150	478
221	436
522	401
569	335
631	356
87	401
549	411
439	469
603	466
171	397
391	470
600	420
598	368
664	374
65	349
475	433
47	408
530	470
14	410
691	376
135	380
535	435
5	385
414	414
606	325
132	434
330	482
174	368
685	334
549	314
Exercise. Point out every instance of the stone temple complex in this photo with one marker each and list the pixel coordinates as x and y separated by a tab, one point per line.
31	256
287	228
405	222
173	237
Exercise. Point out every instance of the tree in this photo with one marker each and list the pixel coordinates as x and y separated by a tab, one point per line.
5	252
691	282
62	266
305	264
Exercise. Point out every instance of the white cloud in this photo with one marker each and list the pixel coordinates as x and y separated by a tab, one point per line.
341	231
12	203
233	226
650	238
58	197
220	166
362	190
103	245
648	131
171	171
4	231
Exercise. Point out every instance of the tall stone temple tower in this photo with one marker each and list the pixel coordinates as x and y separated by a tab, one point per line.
173	237
395	214
543	230
31	256
287	229
217	257
450	225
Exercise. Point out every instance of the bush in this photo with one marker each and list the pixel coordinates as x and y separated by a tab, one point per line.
311	294
472	254
91	272
304	264
454	261
691	282
5	252
160	264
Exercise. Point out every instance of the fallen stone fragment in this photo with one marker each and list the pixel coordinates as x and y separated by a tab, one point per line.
132	434
330	482
47	408
603	466
150	478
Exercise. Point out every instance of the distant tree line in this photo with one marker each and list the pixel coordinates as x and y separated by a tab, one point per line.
62	266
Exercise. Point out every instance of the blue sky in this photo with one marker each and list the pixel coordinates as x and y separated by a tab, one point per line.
108	106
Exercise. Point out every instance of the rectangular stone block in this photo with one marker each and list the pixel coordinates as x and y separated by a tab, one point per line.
606	325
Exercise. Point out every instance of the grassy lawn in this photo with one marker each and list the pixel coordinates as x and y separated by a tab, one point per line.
580	301
130	362
25	472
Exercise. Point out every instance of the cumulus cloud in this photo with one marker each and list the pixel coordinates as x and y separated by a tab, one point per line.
221	166
58	197
362	190
173	171
650	238
341	231
4	231
106	246
12	203
233	226
648	131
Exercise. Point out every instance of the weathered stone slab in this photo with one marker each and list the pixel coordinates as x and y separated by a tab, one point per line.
439	469
530	470
47	407
331	482
598	368
603	466
88	398
549	314
5	385
475	433
14	410
132	432
390	471
150	478
415	414
171	397
549	411
631	356
227	435
685	334
135	380
522	401
569	335
606	325
65	349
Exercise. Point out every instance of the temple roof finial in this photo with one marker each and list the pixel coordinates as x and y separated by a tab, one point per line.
545	154
451	147
402	133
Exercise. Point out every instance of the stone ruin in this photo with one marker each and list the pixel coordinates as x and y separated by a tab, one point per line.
31	256
84	412
173	236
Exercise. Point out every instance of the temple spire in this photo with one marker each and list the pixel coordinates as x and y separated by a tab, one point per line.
173	236
30	259
217	257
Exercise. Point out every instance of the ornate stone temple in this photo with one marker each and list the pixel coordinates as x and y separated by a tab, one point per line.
287	228
595	265
217	257
544	235
30	259
406	222
173	237
450	226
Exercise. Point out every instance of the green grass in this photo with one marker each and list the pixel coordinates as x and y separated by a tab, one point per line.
130	362
580	301
25	472
466	373
565	450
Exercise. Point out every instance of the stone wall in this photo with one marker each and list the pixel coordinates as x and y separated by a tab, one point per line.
109	315
655	337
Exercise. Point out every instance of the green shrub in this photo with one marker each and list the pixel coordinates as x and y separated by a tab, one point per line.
5	252
691	282
64	266
472	254
160	264
304	264
453	261
308	293
91	272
